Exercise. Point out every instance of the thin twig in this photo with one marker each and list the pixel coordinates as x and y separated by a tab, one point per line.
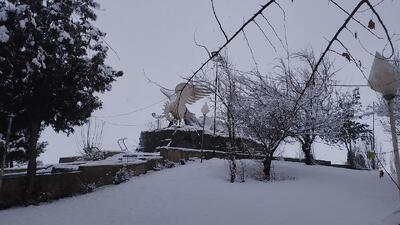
311	78
112	49
219	23
200	45
364	10
359	67
334	39
226	43
273	30
251	50
366	28
383	26
151	81
265	35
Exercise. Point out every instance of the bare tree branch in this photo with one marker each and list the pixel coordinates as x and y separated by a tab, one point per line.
219	23
273	30
376	4
314	70
383	26
265	35
334	39
251	50
356	63
227	42
200	45
366	28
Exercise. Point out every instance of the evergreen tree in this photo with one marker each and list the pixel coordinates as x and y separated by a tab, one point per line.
52	63
18	142
349	130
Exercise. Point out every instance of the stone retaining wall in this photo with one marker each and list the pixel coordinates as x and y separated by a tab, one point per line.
176	154
59	185
150	140
70	159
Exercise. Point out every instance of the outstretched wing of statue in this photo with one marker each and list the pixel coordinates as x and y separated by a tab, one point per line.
198	93
169	93
189	93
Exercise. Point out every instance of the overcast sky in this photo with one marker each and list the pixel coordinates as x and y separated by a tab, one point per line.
157	37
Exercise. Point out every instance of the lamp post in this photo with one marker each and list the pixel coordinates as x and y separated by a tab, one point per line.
217	59
158	118
385	78
204	110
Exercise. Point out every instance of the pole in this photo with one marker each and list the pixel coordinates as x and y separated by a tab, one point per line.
215	95
3	162
373	126
394	139
202	138
373	148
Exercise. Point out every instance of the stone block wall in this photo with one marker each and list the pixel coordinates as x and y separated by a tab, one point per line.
60	185
150	140
175	154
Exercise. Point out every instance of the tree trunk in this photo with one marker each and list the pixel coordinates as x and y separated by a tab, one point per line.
308	156
306	143
10	162
351	156
351	159
267	167
232	170
33	130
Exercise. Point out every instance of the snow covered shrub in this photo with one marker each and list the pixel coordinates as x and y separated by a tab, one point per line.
359	157
93	154
253	169
43	197
87	188
121	175
361	161
167	164
92	137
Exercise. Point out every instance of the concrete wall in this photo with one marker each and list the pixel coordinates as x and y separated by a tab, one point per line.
70	159
59	185
175	154
150	140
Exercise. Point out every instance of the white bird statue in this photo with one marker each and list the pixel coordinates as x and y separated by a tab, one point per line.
175	109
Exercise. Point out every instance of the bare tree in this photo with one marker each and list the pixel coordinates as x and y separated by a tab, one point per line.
285	121
315	115
263	110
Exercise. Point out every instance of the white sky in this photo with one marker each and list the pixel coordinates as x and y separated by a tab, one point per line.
157	37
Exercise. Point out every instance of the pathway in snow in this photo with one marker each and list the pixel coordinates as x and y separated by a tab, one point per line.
200	194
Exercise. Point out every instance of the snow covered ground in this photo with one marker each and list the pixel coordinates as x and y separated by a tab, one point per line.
198	194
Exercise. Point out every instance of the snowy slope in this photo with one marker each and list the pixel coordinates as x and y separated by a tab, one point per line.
198	194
